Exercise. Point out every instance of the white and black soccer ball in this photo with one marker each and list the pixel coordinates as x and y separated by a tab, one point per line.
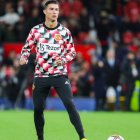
115	137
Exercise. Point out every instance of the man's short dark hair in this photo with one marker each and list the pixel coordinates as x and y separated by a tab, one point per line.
47	2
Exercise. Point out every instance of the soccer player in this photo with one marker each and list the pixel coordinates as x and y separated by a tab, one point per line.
54	49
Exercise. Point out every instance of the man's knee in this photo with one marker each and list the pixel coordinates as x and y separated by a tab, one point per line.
38	108
69	104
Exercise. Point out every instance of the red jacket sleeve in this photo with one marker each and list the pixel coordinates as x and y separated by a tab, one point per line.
70	49
29	45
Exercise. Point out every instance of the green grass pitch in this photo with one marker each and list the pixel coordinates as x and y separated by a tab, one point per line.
18	125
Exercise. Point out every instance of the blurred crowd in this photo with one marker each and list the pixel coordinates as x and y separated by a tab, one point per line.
113	26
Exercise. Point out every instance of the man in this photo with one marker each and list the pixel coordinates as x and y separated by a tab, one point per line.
54	49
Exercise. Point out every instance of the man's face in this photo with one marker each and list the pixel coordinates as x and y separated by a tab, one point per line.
51	12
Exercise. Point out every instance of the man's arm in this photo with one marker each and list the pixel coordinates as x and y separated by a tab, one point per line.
26	50
70	50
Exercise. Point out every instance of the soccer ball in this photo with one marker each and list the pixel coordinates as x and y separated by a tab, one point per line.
115	137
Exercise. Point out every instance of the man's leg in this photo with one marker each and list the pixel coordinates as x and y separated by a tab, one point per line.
63	89
40	92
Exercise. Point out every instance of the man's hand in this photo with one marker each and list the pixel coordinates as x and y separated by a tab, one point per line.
23	61
59	62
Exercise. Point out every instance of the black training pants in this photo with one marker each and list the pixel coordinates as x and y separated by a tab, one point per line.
63	88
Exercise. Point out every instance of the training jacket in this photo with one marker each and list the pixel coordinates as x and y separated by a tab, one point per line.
50	44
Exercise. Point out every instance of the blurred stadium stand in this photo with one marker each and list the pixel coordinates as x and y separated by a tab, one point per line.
107	39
